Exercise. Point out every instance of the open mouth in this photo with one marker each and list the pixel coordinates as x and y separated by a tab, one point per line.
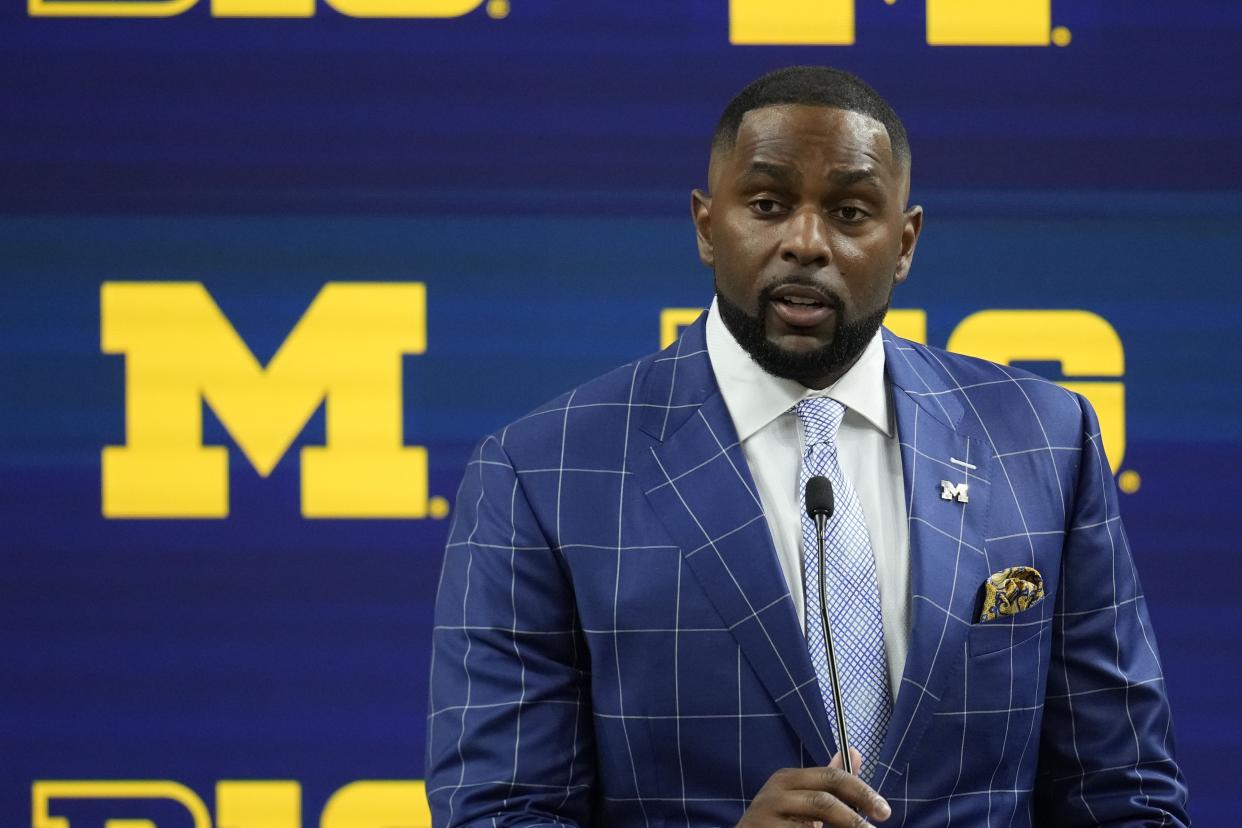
801	306
801	301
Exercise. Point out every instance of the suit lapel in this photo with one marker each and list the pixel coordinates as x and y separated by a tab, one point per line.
697	481
947	564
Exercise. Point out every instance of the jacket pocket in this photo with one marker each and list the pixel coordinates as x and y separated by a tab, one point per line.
1003	633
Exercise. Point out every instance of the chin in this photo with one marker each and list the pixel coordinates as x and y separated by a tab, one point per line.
796	356
800	344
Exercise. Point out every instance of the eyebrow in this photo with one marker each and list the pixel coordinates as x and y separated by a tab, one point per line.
762	169
788	175
846	178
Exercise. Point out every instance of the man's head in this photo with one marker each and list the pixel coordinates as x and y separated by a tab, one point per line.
804	220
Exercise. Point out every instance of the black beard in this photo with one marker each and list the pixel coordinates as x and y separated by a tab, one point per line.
849	339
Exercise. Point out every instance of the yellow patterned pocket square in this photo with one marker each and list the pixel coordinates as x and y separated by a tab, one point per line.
1011	591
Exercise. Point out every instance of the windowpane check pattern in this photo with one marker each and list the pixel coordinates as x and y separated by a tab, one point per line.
615	642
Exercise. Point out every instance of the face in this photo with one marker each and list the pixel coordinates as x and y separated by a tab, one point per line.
805	226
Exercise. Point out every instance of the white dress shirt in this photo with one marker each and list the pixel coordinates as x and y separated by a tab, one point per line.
870	457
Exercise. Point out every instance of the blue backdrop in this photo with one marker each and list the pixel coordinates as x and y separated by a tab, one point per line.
530	164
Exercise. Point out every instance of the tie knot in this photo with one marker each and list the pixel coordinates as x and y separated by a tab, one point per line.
821	417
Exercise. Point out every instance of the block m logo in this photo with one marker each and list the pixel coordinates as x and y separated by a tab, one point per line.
180	351
949	23
953	491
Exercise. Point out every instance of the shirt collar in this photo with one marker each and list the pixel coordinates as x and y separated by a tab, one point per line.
755	398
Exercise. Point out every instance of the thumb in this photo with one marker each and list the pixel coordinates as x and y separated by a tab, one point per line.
855	757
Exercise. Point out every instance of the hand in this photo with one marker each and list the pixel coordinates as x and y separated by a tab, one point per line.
816	796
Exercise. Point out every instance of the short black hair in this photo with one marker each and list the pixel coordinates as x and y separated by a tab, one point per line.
812	86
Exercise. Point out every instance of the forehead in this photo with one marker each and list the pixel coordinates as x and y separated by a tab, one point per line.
813	135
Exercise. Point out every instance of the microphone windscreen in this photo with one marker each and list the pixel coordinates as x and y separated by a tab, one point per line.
819	496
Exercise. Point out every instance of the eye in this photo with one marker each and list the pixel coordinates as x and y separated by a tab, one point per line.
850	214
766	206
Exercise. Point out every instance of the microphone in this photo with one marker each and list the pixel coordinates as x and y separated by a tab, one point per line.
819	506
819	497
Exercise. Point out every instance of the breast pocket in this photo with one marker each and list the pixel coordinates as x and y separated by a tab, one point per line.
1006	632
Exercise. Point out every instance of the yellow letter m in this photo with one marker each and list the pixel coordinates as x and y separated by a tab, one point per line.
180	351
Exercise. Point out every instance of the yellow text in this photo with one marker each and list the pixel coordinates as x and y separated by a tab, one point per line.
250	8
267	803
949	22
180	351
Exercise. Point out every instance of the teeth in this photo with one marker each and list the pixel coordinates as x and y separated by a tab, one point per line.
800	300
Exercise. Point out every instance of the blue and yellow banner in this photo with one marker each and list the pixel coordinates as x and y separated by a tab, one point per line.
270	268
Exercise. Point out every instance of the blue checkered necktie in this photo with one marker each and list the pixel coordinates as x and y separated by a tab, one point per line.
853	591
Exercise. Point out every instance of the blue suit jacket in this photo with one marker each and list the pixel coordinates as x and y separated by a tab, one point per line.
615	642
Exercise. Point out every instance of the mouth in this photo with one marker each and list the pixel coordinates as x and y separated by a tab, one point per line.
801	307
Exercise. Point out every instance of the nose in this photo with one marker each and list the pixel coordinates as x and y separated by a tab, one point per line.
806	240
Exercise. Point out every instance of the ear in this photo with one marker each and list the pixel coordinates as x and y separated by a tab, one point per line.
701	213
910	230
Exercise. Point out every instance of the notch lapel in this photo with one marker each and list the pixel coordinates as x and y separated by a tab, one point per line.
947	563
698	482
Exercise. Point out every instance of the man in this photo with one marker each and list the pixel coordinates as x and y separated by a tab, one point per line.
628	628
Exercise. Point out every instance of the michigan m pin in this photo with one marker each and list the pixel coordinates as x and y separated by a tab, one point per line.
953	491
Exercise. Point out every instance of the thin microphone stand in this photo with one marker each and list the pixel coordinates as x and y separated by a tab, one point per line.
821	516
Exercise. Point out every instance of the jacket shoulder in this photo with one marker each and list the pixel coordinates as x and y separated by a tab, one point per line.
607	418
985	397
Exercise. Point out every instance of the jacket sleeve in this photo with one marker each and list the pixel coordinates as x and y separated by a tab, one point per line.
1107	753
509	732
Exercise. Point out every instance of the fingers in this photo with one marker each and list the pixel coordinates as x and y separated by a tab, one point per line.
826	794
855	757
847	790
